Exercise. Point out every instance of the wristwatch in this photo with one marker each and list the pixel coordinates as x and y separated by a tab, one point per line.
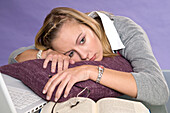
101	70
39	54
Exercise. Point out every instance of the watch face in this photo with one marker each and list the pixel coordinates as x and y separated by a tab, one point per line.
101	66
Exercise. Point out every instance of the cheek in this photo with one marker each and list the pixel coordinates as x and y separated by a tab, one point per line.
95	44
76	58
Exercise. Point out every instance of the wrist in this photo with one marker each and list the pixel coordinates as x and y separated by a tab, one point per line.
39	54
43	54
101	70
92	72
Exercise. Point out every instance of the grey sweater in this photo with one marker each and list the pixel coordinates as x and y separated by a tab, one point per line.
151	84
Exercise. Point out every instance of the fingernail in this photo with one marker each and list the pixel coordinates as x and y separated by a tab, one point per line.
55	99
53	70
65	96
43	91
48	98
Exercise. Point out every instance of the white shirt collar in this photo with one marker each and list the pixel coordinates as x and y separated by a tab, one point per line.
110	30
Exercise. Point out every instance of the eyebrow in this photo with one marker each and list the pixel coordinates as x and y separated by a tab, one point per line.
78	37
76	42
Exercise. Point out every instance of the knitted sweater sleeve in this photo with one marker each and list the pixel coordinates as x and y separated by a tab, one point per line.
151	85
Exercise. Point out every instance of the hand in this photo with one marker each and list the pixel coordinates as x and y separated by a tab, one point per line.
62	60
66	79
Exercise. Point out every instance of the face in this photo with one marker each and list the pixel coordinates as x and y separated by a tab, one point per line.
78	41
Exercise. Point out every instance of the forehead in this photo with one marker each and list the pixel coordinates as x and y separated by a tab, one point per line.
67	36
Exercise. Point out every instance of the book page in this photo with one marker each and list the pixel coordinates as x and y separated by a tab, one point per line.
115	105
85	105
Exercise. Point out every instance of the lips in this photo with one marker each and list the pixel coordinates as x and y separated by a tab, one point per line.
93	58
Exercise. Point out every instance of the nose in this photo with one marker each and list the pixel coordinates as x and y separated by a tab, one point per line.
83	54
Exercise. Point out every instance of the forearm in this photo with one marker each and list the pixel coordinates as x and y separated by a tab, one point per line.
123	82
14	54
27	55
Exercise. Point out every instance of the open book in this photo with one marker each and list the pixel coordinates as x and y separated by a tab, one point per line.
86	105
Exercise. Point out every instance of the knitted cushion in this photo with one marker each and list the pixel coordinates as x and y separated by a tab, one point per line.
34	76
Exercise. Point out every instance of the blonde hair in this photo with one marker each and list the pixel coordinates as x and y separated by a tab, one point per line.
58	16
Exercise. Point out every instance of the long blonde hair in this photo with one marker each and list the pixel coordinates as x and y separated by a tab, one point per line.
58	16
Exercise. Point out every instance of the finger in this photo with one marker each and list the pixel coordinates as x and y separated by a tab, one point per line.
61	88
49	58
68	88
60	63
72	61
47	85
53	86
66	63
54	62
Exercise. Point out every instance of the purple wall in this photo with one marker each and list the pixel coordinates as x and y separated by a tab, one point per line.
21	19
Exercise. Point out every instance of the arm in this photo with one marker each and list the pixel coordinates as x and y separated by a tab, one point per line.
27	55
151	84
22	54
111	78
30	53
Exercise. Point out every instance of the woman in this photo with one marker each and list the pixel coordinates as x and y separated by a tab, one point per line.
68	36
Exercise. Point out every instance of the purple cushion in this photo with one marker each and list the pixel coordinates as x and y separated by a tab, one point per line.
34	76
